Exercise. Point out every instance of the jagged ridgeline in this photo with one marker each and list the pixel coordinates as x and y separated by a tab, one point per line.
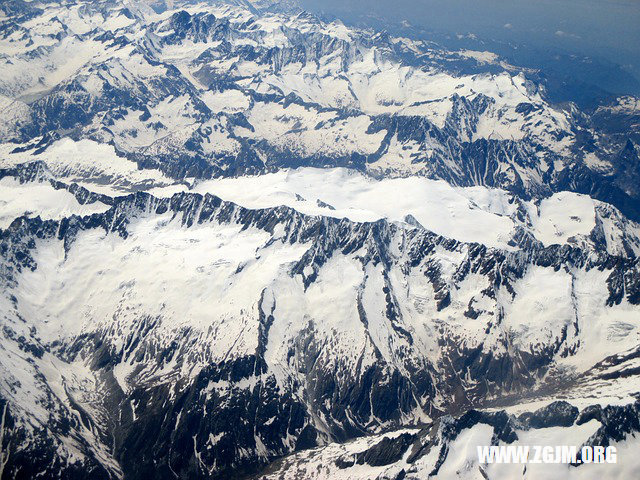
195	336
238	240
220	90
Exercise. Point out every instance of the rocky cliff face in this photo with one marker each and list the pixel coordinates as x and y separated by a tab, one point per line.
225	90
296	331
436	451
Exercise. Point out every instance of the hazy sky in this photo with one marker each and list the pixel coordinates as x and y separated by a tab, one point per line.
604	28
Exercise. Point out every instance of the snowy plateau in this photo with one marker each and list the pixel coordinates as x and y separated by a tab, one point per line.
238	240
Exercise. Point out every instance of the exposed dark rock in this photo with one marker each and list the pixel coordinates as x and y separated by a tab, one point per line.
556	414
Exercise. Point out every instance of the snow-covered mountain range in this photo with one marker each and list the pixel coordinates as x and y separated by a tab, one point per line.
233	234
220	90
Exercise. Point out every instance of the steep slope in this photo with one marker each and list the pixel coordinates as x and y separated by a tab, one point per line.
442	450
212	89
297	330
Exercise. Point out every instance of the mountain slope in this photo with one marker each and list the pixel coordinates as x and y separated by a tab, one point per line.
258	360
221	90
236	237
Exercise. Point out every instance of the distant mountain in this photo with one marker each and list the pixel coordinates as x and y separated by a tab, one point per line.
222	90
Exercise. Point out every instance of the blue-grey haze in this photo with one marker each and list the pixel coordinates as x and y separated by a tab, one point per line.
606	31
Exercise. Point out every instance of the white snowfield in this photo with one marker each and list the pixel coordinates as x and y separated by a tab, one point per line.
473	214
39	199
462	461
90	164
469	214
113	287
148	271
343	76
